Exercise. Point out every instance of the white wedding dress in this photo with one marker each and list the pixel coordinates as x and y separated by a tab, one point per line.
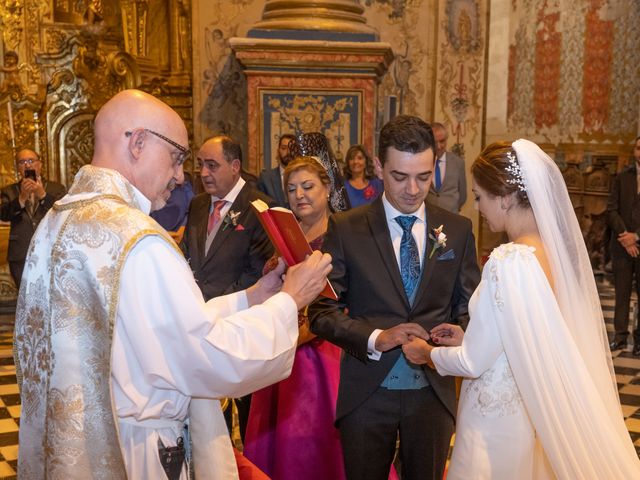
527	393
494	435
540	398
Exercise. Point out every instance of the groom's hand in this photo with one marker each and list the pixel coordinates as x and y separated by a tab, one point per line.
418	351
399	335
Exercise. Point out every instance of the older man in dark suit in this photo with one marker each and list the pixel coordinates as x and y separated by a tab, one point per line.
25	204
624	220
397	278
449	187
270	181
224	241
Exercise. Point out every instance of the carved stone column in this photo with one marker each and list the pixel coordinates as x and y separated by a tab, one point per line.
311	66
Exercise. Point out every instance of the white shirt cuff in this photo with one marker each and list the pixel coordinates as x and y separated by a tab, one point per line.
372	353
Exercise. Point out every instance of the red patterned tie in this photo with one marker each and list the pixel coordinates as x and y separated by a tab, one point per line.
214	216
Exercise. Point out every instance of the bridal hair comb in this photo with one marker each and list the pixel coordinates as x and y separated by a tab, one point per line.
516	172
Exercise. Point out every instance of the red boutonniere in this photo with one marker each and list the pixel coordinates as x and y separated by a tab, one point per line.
369	192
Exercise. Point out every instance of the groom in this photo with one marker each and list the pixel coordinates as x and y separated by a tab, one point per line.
397	278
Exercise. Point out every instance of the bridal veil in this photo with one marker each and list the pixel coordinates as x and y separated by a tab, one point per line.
559	354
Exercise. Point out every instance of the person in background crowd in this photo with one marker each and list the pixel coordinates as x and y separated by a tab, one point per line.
270	181
24	205
115	346
623	217
362	184
173	216
449	187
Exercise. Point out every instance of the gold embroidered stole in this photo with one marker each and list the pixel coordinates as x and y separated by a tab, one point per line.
64	324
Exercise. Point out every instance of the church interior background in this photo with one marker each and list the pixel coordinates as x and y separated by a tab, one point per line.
563	74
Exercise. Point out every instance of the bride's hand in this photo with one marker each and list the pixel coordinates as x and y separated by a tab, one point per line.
418	351
447	335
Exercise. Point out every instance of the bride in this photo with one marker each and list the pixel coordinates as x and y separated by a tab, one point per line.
539	399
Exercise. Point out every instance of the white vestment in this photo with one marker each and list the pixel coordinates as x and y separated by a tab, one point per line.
115	346
169	346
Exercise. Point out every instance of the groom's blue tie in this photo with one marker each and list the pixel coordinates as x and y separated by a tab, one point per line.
409	257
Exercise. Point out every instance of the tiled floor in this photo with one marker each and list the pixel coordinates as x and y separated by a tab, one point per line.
9	402
626	365
627	369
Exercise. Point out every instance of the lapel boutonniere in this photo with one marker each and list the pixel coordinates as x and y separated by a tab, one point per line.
231	220
439	239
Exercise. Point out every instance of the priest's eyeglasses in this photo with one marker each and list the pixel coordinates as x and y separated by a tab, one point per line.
184	152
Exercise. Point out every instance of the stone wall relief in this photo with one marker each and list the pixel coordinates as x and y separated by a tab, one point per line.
223	85
11	14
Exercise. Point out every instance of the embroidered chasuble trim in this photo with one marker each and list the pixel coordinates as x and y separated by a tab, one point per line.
112	303
83	253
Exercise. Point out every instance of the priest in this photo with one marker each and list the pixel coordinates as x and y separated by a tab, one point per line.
116	350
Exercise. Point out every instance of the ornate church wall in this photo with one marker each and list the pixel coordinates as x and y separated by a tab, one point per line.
459	92
437	74
566	74
219	86
573	74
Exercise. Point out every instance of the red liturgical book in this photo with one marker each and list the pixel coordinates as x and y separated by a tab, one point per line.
287	236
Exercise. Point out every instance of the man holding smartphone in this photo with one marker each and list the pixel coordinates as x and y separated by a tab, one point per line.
24	204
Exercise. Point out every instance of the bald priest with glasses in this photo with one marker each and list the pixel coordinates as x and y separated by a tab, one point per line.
116	349
24	204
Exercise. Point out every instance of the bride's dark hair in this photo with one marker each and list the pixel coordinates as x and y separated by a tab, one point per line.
492	171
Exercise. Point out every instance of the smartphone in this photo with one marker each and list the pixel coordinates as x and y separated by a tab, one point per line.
30	173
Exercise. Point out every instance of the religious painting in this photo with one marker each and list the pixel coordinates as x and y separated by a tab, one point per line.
463	29
336	114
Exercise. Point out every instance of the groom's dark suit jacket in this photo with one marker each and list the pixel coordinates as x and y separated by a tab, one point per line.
367	279
237	254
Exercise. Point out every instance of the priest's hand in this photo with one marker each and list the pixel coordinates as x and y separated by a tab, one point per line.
307	279
267	286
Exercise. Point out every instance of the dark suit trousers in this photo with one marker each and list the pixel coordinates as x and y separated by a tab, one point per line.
625	269
369	433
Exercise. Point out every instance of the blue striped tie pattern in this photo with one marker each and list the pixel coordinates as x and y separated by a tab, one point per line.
409	256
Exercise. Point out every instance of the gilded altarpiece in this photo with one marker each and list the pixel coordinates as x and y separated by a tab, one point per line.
63	59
